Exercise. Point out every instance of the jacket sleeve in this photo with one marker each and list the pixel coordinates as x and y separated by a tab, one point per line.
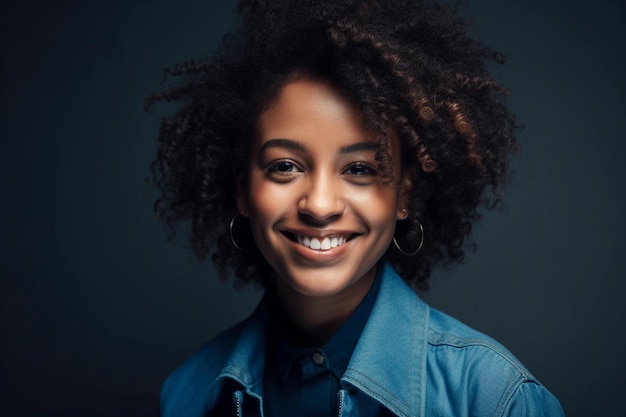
533	400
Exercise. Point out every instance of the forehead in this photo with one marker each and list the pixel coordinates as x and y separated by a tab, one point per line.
305	108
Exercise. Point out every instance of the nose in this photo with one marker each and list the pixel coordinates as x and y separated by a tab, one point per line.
322	199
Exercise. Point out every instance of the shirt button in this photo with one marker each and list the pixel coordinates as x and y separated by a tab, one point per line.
318	358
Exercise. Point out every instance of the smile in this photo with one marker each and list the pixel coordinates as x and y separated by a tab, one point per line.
319	243
326	243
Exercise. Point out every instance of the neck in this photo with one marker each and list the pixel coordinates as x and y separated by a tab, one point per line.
315	319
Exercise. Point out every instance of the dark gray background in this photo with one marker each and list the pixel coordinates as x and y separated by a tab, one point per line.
97	308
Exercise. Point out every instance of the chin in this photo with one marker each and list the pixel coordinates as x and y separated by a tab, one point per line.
323	282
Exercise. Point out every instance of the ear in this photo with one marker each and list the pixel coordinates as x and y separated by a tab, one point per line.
242	197
406	186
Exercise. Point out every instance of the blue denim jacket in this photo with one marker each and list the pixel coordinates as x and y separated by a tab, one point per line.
411	360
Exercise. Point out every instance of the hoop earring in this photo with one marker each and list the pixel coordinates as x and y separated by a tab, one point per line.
395	242
232	235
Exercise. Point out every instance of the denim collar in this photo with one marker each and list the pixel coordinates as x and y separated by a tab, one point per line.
337	351
388	362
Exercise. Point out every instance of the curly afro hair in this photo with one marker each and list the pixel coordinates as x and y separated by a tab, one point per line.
410	65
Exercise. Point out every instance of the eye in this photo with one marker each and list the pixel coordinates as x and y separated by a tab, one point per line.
282	168
361	169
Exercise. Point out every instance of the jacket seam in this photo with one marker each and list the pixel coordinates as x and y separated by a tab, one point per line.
525	374
508	395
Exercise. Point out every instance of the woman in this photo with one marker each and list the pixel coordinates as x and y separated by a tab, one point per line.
333	152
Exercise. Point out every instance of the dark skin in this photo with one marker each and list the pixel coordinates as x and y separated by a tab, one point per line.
313	175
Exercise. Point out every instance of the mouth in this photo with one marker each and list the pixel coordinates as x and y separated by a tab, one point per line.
320	243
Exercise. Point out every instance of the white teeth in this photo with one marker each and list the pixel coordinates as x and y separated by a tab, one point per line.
315	244
325	244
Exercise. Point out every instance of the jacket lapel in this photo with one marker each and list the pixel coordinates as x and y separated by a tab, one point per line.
246	363
388	363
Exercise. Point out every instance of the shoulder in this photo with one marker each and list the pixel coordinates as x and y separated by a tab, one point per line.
188	389
447	334
463	360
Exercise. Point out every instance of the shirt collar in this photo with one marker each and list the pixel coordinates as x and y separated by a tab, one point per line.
388	362
336	351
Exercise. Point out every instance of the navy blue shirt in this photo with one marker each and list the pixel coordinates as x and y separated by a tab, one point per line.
304	380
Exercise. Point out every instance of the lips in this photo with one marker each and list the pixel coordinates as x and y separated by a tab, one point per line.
319	243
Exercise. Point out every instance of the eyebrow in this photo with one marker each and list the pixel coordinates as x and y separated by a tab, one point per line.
283	143
359	146
297	146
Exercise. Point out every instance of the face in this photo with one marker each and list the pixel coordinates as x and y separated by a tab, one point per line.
320	211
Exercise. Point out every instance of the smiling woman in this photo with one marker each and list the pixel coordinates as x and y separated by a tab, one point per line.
307	194
349	145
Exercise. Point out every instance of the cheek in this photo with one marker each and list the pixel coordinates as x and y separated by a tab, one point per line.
267	201
378	206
